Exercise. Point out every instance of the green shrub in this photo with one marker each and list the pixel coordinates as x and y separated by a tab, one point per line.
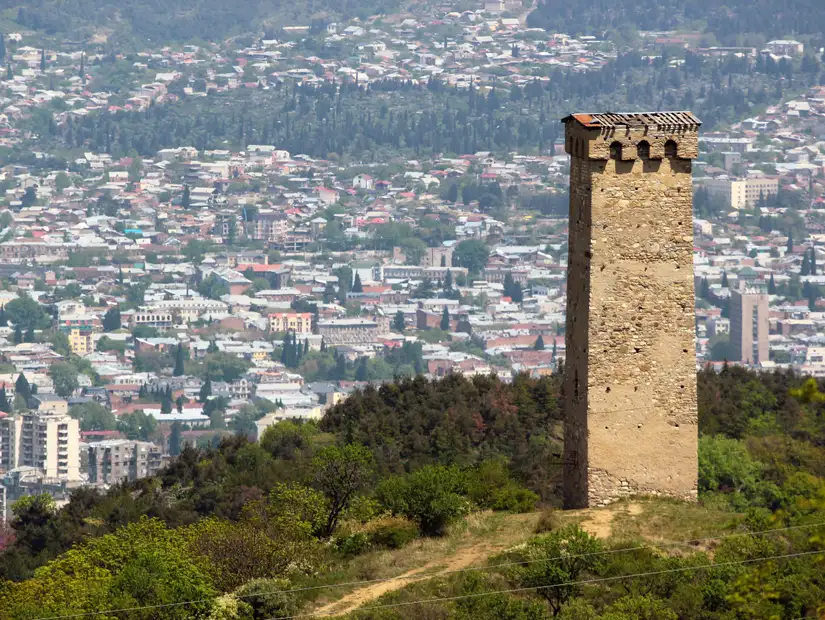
489	485
392	532
548	521
430	496
353	544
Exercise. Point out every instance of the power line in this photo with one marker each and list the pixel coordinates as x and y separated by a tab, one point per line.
452	572
560	585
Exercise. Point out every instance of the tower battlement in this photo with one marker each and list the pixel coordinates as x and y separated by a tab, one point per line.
630	372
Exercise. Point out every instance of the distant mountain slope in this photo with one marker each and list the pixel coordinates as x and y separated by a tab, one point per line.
771	18
178	20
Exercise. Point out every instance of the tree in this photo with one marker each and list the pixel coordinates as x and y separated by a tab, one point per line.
175	439
93	417
22	387
4	400
551	564
9	72
472	254
448	280
18	334
771	286
357	287
179	404
186	198
111	320
340	473
724	279
166	404
205	391
179	361
43	60
2	47
445	320
813	261
29	337
398	323
805	268
26	312
789	247
64	377
4	321
539	346
431	496
361	370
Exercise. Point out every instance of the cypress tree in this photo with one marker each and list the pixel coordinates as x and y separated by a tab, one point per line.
724	279
445	319
175	439
18	334
805	269
22	387
166	404
179	362
9	72
361	370
205	391
789	248
306	346
771	286
4	401
43	59
539	346
357	287
448	280
813	261
2	46
4	321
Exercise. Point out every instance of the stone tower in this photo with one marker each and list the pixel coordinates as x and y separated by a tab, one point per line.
630	368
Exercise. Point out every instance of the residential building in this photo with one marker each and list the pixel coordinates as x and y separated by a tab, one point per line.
741	193
115	460
749	327
46	440
782	47
297	322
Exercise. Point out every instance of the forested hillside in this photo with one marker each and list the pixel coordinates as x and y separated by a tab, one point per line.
729	21
396	117
390	464
175	20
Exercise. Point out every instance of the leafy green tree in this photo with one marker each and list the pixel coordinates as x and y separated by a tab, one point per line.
111	320
431	496
26	313
551	563
64	377
93	417
398	323
340	473
137	425
472	254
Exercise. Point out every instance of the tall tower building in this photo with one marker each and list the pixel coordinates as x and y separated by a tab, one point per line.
749	325
630	369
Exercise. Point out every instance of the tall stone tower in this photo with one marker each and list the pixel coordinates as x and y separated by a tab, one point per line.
630	369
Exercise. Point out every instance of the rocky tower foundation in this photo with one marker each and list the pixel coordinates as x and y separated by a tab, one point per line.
630	368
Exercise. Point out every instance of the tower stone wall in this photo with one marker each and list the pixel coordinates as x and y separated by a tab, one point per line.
630	368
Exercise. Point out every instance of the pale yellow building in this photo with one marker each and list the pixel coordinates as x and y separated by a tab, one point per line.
81	342
298	322
741	193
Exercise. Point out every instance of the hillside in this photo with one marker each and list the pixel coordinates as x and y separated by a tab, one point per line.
731	22
406	486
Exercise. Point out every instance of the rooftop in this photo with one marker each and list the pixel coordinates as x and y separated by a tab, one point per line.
636	119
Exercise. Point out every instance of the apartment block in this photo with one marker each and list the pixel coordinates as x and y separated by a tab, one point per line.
741	193
115	460
46	440
298	322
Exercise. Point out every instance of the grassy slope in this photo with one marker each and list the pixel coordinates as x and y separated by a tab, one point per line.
404	573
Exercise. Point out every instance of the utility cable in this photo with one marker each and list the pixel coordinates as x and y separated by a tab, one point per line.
452	572
683	569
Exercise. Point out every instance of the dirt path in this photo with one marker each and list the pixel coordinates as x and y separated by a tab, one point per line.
599	522
596	521
463	558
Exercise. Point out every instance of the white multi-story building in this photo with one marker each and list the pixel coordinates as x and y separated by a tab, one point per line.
46	440
741	193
